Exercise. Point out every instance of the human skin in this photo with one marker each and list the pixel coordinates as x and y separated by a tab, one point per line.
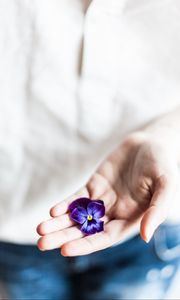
137	182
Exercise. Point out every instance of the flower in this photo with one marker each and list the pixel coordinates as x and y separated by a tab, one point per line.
87	214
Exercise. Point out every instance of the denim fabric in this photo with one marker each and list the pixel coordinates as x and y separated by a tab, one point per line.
132	270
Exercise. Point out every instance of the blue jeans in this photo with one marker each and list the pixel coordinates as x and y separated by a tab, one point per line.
132	270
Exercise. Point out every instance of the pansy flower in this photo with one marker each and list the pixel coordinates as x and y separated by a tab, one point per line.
87	213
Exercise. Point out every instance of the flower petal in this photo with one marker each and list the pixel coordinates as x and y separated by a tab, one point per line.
99	201
96	209
92	227
79	215
89	227
80	202
84	227
99	226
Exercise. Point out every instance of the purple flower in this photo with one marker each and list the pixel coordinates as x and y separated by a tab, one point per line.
87	214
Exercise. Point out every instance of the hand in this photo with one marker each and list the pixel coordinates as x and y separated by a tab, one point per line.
137	183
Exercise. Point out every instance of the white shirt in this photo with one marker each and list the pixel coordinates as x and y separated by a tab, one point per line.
74	80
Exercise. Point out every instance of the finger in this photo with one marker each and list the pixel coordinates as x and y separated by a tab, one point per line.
92	243
95	190
62	207
54	225
57	239
109	198
58	223
97	186
116	231
159	207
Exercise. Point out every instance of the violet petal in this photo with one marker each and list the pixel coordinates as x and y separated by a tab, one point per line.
89	227
99	201
99	226
80	202
79	215
96	209
84	226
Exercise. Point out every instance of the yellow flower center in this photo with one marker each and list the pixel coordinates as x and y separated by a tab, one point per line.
89	218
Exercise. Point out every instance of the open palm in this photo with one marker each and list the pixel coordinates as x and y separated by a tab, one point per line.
137	183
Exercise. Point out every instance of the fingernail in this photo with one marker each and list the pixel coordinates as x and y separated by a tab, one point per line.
148	238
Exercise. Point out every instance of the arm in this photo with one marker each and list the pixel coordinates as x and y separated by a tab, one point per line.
137	182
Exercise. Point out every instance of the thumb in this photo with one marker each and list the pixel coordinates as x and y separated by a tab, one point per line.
159	207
